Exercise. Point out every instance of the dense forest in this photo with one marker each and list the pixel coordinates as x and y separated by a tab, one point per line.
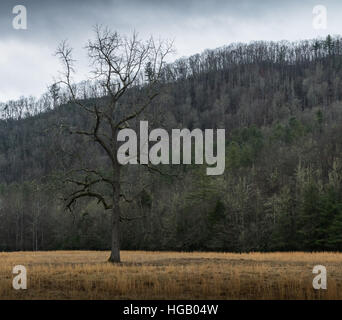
281	106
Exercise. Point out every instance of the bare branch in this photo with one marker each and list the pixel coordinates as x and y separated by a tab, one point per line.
79	194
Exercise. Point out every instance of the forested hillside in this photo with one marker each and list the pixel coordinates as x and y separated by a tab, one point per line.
281	106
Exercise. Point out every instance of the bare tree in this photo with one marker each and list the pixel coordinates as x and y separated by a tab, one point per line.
119	65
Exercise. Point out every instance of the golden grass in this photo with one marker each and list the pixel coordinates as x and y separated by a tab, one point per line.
170	275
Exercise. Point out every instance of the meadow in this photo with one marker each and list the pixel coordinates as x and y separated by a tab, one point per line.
170	275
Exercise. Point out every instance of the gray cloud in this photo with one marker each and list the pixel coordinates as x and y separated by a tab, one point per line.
27	64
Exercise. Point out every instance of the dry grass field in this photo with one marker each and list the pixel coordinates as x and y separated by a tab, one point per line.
170	275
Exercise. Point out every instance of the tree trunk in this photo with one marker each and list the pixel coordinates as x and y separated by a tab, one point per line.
115	248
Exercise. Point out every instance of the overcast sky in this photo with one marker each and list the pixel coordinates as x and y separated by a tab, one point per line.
27	64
